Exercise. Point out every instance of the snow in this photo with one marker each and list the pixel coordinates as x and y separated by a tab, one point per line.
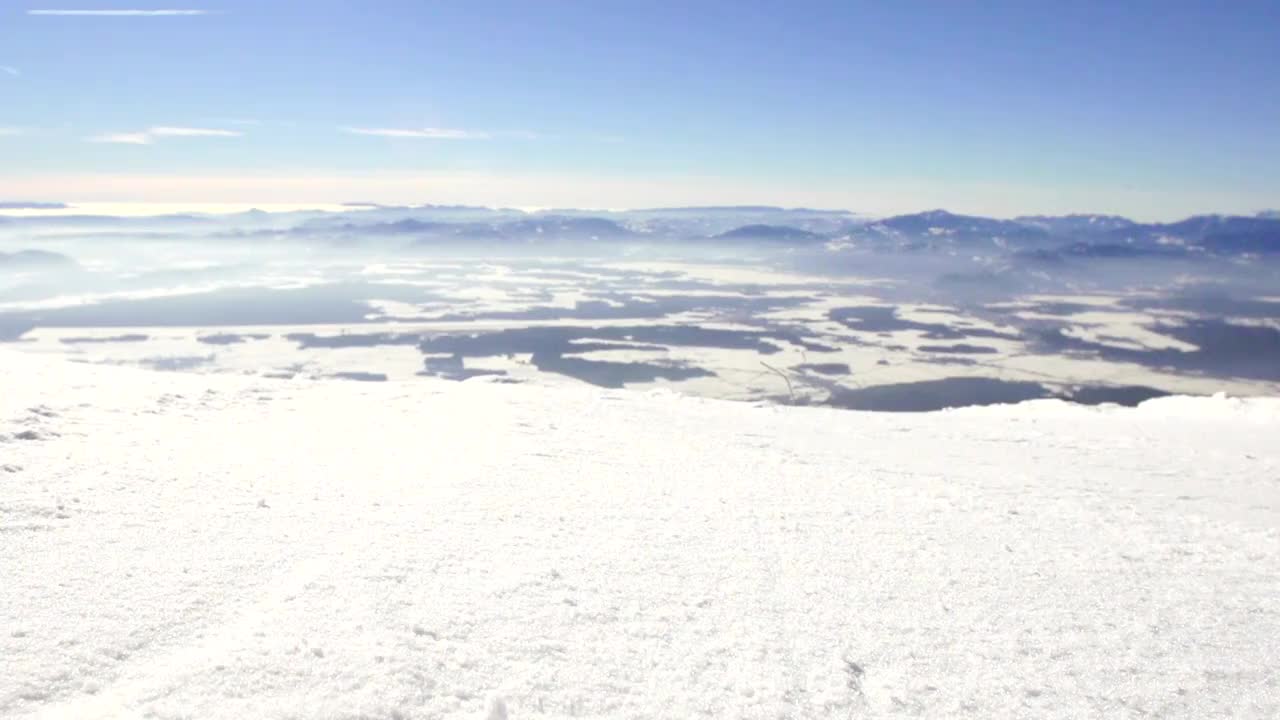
195	546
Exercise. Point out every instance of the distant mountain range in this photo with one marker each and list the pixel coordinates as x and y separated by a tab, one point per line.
1033	238
771	233
26	205
35	260
1061	237
1037	238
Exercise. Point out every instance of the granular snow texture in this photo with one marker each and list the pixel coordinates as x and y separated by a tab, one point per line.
181	546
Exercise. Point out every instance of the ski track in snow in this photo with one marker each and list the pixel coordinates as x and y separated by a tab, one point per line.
180	546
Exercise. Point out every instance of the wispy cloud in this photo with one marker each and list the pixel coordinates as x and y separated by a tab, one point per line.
423	133
119	13
146	137
9	70
140	138
10	131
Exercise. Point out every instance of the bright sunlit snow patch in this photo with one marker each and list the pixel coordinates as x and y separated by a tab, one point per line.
65	301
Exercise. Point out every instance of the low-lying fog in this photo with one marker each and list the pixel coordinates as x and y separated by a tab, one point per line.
742	303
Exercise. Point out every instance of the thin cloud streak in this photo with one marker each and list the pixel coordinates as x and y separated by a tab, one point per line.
122	138
10	131
117	13
9	70
422	133
146	137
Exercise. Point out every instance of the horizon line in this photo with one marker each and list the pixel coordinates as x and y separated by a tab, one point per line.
38	208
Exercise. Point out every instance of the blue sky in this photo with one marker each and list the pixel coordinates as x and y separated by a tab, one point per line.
1155	109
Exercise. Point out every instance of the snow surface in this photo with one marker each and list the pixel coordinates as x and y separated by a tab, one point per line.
183	546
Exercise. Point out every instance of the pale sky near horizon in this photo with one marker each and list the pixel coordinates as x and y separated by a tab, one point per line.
1155	110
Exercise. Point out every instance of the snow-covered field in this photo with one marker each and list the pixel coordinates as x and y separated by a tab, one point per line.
183	546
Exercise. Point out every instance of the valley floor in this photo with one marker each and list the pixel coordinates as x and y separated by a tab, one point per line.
182	546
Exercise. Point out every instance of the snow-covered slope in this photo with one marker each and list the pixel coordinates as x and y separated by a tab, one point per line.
179	546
